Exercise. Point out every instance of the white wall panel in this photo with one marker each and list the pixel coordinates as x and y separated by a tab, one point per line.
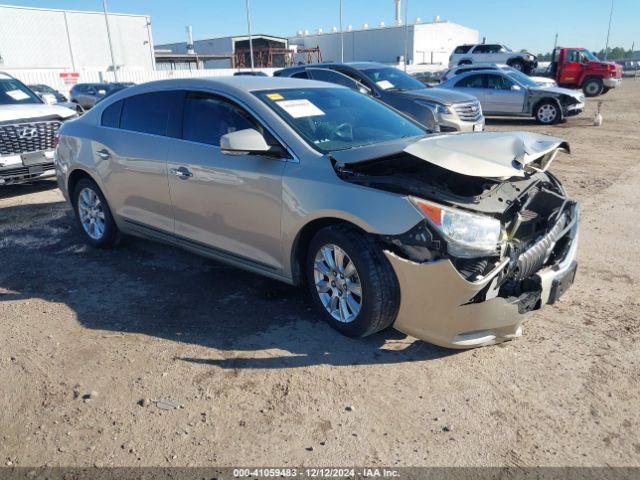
37	38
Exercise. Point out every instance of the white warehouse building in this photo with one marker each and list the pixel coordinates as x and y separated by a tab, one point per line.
66	39
426	42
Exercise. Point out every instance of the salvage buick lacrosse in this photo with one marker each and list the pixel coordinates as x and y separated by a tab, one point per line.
449	238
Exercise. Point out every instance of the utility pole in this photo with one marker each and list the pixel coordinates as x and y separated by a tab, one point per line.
406	34
341	36
606	48
113	61
250	37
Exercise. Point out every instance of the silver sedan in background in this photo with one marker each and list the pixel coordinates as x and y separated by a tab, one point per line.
514	94
444	237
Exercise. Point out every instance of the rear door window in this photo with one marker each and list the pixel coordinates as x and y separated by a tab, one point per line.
152	113
301	74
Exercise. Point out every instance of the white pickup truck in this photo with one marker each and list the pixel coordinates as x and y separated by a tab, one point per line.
28	132
493	53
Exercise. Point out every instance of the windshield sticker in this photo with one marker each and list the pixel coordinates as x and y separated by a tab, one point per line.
274	96
17	94
384	84
300	108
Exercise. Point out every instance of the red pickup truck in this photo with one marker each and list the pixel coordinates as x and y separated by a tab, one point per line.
579	68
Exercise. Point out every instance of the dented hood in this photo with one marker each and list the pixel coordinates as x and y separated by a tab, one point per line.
489	154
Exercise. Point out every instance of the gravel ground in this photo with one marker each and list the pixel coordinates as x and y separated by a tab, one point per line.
146	355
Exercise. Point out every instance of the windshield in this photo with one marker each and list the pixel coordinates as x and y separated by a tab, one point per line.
590	56
389	78
522	78
14	92
332	119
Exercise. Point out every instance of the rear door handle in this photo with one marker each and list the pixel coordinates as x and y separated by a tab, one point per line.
181	173
103	154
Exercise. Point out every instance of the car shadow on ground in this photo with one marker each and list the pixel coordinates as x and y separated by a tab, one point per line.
147	288
21	189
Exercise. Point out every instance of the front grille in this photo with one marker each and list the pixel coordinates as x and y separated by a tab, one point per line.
469	111
27	137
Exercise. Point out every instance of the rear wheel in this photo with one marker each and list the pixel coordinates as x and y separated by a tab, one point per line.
351	281
548	113
93	215
593	87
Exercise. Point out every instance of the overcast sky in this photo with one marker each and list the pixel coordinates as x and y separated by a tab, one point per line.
519	24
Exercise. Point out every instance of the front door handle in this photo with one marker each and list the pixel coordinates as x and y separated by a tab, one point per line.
181	173
103	154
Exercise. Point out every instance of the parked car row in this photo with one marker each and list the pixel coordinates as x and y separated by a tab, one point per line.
435	108
449	238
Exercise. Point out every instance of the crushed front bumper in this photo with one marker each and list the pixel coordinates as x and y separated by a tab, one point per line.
612	82
437	303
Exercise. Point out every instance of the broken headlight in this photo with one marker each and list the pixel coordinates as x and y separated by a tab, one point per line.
467	235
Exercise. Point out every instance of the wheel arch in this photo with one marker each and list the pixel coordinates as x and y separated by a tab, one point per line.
303	239
546	99
74	177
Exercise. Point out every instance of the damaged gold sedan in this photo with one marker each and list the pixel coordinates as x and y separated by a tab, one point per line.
449	238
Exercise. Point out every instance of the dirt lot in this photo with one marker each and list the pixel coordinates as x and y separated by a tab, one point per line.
257	379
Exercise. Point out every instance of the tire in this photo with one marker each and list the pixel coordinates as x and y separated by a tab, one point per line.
379	299
91	215
548	113
592	87
517	64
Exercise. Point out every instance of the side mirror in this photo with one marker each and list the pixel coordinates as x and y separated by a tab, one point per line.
516	88
244	142
364	89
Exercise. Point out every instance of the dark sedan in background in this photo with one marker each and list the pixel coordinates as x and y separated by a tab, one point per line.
434	108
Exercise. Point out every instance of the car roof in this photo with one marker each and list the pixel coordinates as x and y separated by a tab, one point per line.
354	65
242	83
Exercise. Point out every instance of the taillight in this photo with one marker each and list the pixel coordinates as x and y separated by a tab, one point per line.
56	140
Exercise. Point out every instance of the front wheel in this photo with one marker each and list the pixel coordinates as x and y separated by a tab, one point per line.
351	281
548	113
93	215
593	87
517	65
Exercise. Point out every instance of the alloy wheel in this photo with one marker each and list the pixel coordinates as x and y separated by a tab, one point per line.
547	113
337	283
91	213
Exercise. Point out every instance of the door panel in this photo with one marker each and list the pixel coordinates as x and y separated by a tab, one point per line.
135	176
500	98
231	202
228	202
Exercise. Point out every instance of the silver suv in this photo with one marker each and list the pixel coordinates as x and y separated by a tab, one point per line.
28	129
450	238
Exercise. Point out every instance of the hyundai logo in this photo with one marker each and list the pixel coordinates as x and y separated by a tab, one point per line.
27	132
